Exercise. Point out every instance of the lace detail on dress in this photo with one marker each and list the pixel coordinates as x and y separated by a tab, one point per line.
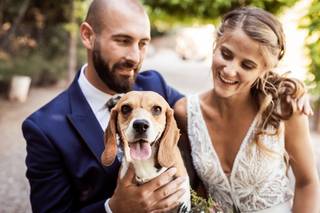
258	180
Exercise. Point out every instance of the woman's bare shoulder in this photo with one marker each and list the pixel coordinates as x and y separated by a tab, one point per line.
180	113
180	108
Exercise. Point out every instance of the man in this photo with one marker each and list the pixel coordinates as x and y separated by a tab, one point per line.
65	137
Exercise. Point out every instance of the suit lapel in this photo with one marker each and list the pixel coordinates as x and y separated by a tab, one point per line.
90	132
84	120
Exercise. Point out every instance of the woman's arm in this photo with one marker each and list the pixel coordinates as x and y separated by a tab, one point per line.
302	160
180	114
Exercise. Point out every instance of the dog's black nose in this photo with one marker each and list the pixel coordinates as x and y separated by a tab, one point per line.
140	125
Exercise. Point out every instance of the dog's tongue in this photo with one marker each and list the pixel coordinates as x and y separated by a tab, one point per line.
140	151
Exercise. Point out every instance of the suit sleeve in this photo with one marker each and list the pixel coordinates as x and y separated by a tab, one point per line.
50	184
171	95
152	80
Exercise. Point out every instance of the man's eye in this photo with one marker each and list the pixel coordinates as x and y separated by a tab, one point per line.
143	44
156	110
123	41
126	109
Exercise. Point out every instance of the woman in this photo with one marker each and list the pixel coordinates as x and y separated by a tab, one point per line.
243	133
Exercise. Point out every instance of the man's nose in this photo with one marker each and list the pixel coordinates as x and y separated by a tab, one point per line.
133	54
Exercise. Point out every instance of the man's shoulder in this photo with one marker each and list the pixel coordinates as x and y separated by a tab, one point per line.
147	75
58	105
150	80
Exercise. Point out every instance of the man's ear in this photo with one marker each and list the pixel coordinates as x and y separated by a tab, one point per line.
87	35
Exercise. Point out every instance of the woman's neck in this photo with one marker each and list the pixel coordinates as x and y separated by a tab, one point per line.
240	104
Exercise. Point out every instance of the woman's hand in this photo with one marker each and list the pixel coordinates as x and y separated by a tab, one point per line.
302	104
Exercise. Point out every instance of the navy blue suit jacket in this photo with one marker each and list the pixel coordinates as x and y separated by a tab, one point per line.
64	145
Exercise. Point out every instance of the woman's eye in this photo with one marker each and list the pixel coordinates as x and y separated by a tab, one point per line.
226	55
156	110
247	66
126	109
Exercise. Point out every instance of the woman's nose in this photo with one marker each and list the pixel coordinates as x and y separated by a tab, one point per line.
230	69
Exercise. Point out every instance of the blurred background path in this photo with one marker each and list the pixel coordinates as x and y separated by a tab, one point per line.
187	76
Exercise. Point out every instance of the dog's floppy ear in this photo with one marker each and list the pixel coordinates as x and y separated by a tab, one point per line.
110	140
124	144
169	140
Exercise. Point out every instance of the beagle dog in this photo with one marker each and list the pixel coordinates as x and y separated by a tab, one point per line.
144	126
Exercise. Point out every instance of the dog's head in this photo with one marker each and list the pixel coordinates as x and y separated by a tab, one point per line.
144	122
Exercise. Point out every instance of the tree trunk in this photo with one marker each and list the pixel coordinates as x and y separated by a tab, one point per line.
317	118
4	44
2	3
72	54
72	61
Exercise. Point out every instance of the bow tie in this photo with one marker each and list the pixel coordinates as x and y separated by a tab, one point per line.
113	101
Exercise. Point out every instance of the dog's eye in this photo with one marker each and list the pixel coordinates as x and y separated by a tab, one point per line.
126	109
156	110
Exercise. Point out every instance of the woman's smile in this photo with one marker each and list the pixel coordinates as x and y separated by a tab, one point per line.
224	80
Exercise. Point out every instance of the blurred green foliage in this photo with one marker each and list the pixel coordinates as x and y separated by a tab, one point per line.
165	14
37	44
311	22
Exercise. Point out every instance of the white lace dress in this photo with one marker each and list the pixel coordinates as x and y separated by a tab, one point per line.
258	181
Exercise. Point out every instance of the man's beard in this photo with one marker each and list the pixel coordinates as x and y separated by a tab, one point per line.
110	77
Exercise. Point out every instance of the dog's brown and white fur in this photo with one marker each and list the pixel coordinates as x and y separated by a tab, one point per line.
148	135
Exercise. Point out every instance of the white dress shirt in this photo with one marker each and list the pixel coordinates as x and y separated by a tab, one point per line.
97	101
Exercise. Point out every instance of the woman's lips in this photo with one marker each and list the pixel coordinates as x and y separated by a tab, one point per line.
226	81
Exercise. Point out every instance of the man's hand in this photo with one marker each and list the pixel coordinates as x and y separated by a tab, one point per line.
158	195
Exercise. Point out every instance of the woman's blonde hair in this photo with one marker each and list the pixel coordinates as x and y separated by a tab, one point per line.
271	90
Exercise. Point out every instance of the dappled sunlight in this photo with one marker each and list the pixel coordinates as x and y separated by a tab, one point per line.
295	59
